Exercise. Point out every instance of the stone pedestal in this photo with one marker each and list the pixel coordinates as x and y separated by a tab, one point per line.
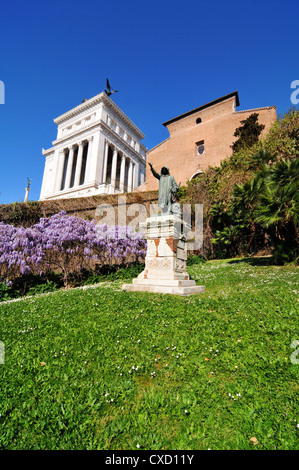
165	262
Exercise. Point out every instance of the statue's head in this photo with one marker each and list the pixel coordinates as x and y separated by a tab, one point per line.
164	170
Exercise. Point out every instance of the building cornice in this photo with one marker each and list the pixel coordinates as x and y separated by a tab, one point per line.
49	151
69	140
234	94
110	134
104	98
255	109
76	135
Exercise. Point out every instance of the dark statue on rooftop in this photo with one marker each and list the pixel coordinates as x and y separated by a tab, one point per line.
167	190
108	90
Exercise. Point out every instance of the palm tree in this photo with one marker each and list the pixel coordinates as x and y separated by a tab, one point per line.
244	200
278	208
279	202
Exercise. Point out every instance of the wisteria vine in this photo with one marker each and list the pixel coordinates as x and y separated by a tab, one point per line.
67	244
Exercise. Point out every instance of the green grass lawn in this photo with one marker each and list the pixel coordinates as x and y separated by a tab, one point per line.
101	368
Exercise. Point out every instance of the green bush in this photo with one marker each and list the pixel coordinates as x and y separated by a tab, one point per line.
6	292
286	252
113	273
195	259
49	286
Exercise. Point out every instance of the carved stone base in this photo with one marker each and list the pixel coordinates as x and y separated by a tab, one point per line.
165	261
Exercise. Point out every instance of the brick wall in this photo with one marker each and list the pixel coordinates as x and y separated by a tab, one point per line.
218	123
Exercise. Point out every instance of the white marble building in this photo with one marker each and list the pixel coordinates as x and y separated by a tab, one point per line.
97	151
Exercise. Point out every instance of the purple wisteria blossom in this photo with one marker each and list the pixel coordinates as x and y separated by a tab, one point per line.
67	244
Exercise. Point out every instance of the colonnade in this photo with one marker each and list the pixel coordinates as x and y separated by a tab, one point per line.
119	170
72	166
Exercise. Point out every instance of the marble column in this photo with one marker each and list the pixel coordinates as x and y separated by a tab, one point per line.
136	175
113	169
104	175
130	176
134	185
88	175
97	159
79	164
69	168
133	176
59	174
122	174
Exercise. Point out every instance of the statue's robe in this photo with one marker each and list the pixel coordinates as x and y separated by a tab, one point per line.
167	189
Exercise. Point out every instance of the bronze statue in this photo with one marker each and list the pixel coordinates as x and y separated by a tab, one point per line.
167	189
108	91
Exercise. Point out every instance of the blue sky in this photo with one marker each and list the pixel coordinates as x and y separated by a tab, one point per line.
164	57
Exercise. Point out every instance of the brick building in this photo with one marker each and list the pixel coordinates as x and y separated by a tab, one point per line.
201	138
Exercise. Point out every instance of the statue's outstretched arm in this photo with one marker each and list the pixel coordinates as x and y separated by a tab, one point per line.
156	175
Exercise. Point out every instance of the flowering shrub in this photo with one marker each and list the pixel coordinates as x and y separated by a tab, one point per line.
67	244
20	251
119	245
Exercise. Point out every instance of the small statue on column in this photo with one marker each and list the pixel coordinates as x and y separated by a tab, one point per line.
27	189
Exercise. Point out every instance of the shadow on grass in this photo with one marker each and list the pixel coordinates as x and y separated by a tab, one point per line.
258	261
